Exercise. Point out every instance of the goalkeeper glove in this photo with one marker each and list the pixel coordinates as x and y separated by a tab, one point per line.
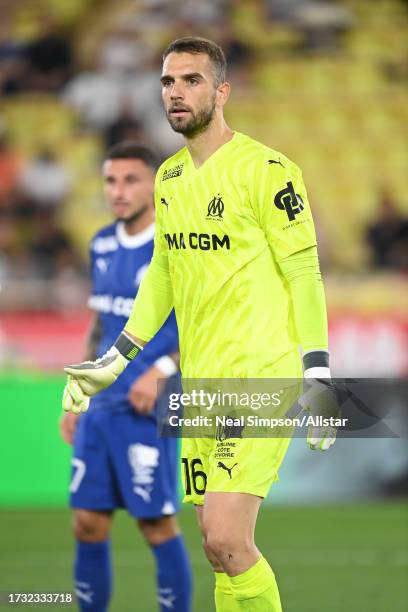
89	377
320	399
73	398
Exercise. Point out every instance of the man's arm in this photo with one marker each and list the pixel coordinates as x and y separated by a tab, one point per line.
145	390
94	337
68	421
151	308
153	302
302	273
280	202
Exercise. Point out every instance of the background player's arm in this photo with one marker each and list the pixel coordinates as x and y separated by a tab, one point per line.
94	337
69	420
144	392
154	299
153	302
151	308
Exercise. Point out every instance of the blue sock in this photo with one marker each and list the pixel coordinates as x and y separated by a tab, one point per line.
93	575
174	579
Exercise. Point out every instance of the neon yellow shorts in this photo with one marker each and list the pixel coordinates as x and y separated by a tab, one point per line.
235	464
231	465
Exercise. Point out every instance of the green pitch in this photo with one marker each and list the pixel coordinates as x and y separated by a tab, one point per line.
351	558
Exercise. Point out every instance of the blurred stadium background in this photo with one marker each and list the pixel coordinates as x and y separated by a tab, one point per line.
325	82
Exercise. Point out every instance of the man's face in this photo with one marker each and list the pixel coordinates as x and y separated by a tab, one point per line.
189	92
128	187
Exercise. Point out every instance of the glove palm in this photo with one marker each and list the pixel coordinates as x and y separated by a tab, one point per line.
89	377
320	400
93	376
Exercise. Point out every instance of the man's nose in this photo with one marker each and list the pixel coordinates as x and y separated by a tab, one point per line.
118	190
176	91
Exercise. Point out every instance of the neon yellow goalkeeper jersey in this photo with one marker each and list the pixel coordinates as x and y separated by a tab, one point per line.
224	227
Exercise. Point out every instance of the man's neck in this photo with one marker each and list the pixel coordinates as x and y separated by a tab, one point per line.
140	224
202	146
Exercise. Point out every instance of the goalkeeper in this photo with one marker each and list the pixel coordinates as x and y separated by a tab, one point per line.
235	254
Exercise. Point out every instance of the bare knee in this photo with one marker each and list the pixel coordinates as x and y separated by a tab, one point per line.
209	553
159	530
225	545
91	526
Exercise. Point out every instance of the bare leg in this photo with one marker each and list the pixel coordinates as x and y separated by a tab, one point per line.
91	525
229	521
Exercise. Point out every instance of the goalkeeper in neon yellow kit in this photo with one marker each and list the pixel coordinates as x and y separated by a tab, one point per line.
235	255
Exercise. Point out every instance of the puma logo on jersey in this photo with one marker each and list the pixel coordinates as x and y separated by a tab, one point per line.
222	465
273	161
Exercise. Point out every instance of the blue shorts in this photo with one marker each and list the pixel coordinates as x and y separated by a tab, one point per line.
120	462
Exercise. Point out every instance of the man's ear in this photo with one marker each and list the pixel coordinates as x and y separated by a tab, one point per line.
223	92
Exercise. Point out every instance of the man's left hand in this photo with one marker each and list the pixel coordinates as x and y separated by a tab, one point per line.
321	401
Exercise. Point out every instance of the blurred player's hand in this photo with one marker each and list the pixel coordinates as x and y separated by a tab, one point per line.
73	398
143	393
321	401
68	423
90	377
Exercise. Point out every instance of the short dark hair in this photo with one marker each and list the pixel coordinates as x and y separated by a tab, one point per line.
197	44
134	150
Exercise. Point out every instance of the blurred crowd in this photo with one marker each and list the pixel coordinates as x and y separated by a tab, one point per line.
114	92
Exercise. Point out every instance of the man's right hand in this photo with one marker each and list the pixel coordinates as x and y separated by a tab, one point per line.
93	376
89	377
68	425
73	398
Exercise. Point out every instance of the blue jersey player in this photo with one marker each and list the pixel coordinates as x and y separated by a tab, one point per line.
119	460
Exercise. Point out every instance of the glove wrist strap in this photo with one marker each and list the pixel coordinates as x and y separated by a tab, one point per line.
316	364
316	359
126	347
317	373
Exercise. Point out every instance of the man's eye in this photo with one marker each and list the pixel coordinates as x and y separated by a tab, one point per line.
193	81
166	83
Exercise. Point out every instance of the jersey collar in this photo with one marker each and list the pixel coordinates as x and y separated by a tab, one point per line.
217	155
138	240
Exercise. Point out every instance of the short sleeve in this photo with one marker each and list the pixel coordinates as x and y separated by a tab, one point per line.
281	205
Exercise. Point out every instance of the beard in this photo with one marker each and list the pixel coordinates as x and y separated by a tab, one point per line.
193	124
133	217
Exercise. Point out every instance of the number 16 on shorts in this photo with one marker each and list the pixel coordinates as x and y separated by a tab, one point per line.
195	479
